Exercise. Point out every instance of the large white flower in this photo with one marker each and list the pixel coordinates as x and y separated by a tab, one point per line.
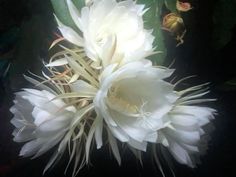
112	31
40	121
134	101
139	106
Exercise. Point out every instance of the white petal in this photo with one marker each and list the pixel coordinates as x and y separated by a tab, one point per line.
119	134
202	114
82	86
74	78
152	137
74	13
138	145
188	137
107	71
39	84
114	147
180	154
40	116
58	62
31	148
184	120
56	124
24	134
49	144
70	35
57	102
98	132
89	140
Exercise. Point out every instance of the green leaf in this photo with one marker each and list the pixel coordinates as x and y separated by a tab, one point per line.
232	82
221	37
62	12
171	5
152	19
224	19
79	4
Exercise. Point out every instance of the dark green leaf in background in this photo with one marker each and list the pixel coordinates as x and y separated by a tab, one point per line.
62	12
79	3
171	5
224	19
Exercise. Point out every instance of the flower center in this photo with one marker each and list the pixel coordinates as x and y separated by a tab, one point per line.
119	103
123	105
124	100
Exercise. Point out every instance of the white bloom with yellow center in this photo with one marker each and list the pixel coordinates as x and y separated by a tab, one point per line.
134	101
112	31
139	106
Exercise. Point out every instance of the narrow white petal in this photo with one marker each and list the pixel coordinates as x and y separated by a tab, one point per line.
180	154
74	13
82	86
39	85
70	35
74	78
30	148
56	124
98	131
119	134
58	62
114	147
138	145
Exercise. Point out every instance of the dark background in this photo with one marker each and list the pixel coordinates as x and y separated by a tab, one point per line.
31	28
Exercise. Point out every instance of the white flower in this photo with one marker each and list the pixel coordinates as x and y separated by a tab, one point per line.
40	121
134	101
112	31
139	106
185	136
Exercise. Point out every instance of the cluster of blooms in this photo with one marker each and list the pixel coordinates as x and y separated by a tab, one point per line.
104	88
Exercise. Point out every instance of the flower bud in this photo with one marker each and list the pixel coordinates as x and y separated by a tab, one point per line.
183	6
173	23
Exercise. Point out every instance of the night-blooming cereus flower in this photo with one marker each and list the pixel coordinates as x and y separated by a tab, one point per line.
112	31
139	106
41	122
58	113
133	101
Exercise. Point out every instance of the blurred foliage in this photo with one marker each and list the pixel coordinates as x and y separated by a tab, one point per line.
224	19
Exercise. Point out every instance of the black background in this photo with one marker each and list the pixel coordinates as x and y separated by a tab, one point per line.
195	57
